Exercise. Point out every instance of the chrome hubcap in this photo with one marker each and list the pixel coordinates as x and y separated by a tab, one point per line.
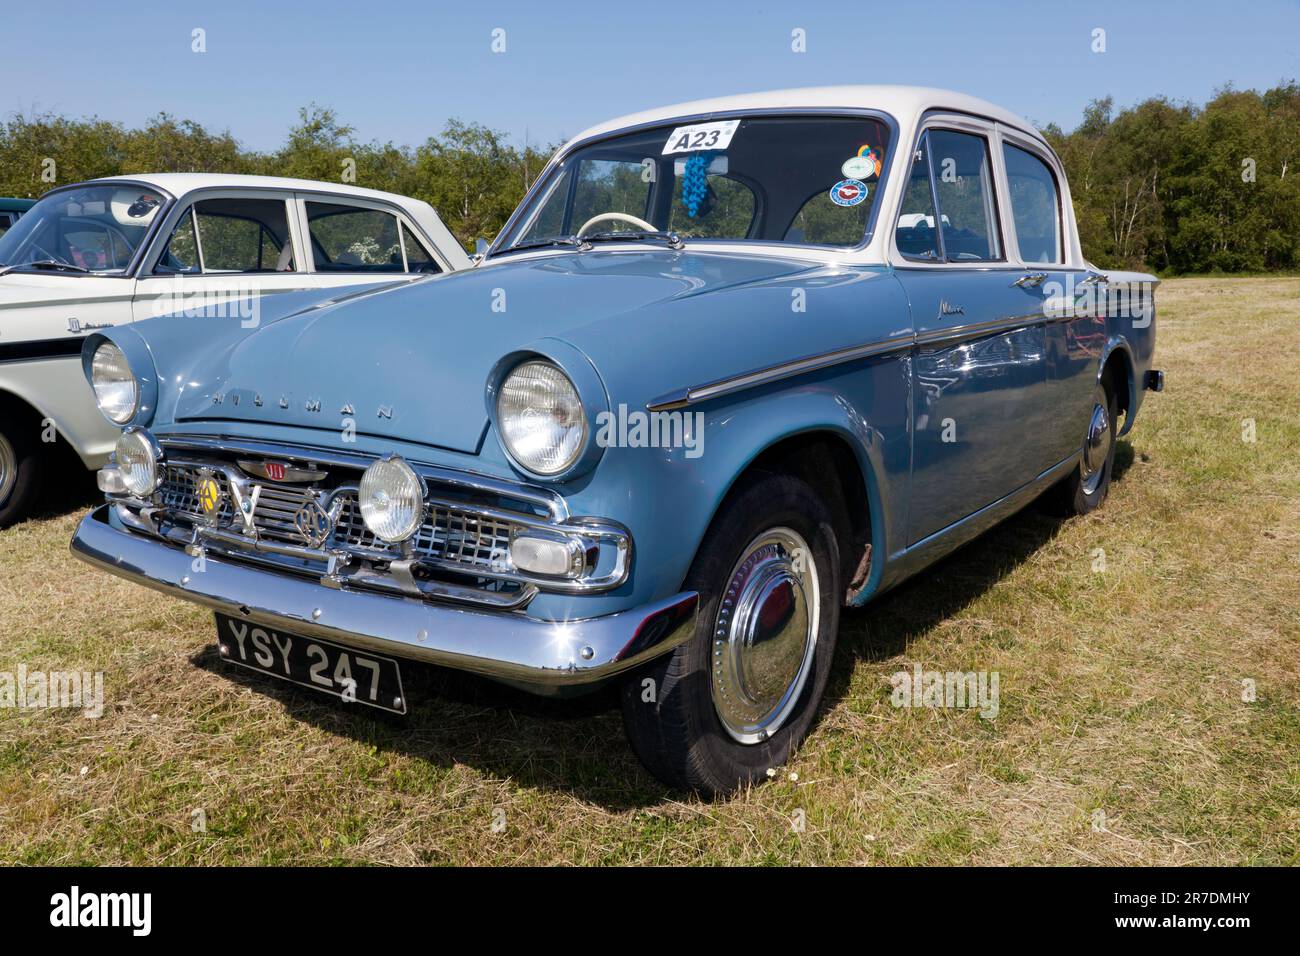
1096	448
8	469
765	635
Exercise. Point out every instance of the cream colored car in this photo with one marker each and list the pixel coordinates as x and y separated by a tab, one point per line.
109	251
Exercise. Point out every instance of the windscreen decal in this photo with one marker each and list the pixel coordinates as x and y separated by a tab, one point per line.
713	136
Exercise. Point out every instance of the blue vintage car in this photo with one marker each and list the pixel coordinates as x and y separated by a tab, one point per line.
731	366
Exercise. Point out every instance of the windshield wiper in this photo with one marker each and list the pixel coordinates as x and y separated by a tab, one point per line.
543	243
43	264
673	239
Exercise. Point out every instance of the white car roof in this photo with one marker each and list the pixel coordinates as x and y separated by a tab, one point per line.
182	184
904	103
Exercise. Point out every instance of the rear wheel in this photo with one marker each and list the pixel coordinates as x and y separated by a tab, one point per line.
739	696
20	465
1086	487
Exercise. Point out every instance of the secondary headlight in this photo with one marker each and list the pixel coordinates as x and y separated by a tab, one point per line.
392	500
116	391
542	421
137	459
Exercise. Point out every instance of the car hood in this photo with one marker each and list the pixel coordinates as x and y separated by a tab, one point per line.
411	363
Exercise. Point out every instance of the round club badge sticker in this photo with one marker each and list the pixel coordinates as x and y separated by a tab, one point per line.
862	166
858	167
848	192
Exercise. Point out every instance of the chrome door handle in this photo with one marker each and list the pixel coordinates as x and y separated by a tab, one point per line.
1098	278
1030	280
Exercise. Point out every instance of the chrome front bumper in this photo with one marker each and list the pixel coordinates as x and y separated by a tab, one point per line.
543	656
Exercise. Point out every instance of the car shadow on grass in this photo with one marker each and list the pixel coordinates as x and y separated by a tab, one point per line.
576	745
66	486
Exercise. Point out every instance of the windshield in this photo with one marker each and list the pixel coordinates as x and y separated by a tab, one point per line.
85	228
807	180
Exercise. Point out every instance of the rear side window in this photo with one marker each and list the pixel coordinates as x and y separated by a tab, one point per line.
1035	205
354	239
417	257
229	236
963	181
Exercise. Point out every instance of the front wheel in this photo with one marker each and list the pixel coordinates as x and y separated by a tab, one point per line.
20	466
737	698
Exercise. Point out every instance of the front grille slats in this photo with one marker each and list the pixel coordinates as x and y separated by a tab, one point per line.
454	538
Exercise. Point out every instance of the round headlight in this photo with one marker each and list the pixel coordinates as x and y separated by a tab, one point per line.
392	500
542	421
137	460
116	390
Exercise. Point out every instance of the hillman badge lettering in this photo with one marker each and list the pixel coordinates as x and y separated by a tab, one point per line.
310	404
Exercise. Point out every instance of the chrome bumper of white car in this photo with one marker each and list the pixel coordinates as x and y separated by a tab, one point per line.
545	656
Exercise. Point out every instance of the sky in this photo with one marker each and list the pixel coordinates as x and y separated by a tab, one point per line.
398	70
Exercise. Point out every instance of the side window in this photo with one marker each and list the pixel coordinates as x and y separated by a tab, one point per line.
963	181
1035	205
7	219
915	233
417	257
352	239
181	255
233	236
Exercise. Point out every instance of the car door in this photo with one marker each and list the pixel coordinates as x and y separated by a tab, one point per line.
224	254
979	365
1073	297
353	241
81	233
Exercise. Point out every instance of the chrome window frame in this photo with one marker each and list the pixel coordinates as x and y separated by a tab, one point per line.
962	123
971	126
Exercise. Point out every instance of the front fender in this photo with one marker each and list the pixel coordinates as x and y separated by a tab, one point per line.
58	392
668	497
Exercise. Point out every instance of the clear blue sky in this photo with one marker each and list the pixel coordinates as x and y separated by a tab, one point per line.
397	70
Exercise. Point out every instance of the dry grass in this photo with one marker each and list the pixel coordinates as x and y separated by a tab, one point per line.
1120	691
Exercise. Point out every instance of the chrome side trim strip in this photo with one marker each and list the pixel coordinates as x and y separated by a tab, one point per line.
775	373
975	330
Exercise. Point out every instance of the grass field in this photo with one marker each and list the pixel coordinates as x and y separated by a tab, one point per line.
1122	737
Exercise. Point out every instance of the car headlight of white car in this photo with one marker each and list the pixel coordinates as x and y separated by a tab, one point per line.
117	392
542	420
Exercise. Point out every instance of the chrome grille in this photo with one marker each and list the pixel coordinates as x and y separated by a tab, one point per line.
180	491
448	534
459	537
276	507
